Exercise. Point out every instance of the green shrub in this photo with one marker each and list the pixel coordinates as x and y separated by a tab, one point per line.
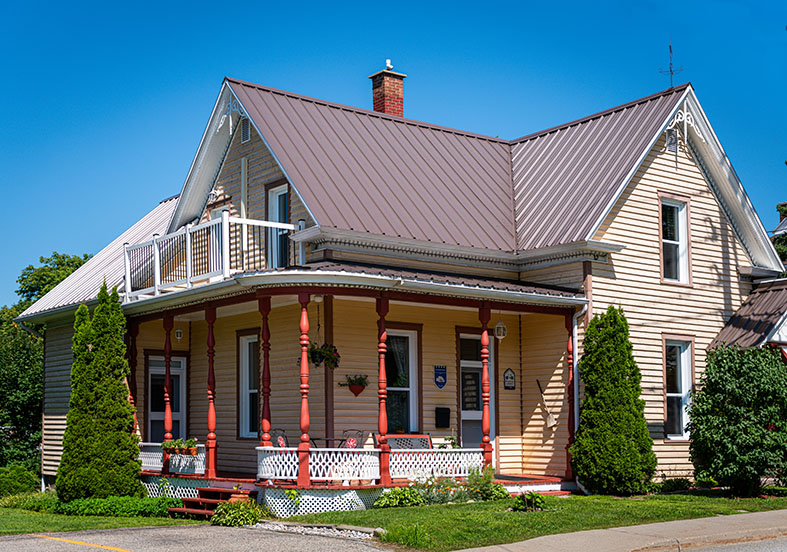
16	479
675	484
119	506
738	418
235	514
613	452
481	486
705	483
443	490
35	502
100	451
529	502
400	496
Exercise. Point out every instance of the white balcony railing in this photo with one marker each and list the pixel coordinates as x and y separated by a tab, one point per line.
344	464
203	253
151	456
415	464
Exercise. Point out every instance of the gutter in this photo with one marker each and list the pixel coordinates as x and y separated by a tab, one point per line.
577	315
30	330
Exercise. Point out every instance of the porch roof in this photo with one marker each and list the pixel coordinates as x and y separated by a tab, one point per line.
759	318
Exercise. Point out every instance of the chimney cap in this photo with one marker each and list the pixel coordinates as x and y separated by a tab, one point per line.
388	71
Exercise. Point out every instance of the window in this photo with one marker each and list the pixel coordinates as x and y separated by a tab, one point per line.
245	130
401	373
249	364
674	241
156	377
278	239
678	382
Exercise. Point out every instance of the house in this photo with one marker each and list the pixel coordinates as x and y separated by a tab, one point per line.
456	271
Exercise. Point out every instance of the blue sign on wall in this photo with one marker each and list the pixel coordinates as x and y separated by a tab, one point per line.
440	375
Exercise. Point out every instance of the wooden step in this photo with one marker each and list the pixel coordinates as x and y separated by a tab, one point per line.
225	490
191	511
202	500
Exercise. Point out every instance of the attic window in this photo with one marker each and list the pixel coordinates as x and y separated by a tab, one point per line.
671	140
245	130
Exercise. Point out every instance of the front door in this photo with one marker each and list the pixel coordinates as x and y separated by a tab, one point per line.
470	390
155	418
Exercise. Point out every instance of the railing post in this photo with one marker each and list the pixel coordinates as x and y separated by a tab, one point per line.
156	266
168	324
265	420
189	255
303	447
570	389
127	271
210	443
225	243
484	314
382	393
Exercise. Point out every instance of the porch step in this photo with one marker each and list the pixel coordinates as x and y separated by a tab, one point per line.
209	497
191	511
223	492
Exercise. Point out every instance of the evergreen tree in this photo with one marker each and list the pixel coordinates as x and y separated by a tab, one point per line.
100	452
613	452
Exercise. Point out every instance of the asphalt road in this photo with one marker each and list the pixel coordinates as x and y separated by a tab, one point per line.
187	538
770	545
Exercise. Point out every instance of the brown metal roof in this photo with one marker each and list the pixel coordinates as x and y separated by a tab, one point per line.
757	317
566	177
365	171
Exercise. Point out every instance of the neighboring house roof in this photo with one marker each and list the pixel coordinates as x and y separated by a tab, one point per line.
567	177
781	228
83	284
760	317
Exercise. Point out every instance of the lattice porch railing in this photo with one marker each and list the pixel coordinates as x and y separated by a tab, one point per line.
151	456
344	464
422	463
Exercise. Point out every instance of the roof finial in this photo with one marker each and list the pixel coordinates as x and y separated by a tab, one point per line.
388	65
672	72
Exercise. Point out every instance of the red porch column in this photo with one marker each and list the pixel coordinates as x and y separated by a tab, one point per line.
168	323
484	314
131	381
265	420
382	393
210	445
571	398
303	446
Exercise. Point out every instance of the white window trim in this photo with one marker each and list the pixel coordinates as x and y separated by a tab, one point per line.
413	378
478	415
245	391
177	366
682	242
684	366
274	216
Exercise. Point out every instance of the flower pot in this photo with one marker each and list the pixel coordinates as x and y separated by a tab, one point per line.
239	497
356	389
193	451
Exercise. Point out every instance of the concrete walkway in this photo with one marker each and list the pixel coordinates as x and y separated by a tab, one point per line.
657	537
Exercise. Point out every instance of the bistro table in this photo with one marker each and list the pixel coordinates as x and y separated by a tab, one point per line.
330	442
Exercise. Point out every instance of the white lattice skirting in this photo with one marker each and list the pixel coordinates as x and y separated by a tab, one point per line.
315	501
424	463
151	456
183	488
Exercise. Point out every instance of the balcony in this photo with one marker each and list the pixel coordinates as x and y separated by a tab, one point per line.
204	253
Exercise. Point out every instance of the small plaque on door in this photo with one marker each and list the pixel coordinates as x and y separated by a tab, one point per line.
509	380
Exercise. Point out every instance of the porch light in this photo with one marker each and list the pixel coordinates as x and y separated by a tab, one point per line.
500	329
179	334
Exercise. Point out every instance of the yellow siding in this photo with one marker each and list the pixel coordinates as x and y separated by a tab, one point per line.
57	392
632	279
568	275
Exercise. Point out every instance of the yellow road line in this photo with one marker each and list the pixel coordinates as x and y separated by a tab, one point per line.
83	543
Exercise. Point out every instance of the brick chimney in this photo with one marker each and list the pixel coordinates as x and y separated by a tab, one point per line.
388	91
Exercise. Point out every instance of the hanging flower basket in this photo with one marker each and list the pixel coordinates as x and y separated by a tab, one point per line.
356	383
324	354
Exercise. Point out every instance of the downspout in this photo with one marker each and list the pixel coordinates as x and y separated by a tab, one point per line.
579	314
30	330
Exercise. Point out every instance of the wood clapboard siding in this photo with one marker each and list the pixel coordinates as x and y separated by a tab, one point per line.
632	279
567	275
57	392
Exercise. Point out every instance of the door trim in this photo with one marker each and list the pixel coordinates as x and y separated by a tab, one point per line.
147	353
493	373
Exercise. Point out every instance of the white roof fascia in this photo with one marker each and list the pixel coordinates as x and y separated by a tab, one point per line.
637	165
778	333
738	207
275	157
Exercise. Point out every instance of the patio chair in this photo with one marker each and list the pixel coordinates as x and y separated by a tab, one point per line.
279	438
353	438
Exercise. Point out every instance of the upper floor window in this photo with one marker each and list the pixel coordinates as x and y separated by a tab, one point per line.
678	383
278	240
674	241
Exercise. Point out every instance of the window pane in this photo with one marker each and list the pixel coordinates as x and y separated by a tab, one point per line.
672	362
470	349
397	361
283	248
281	200
157	393
671	256
674	423
398	409
156	431
669	222
254	362
176	434
174	393
254	413
471	390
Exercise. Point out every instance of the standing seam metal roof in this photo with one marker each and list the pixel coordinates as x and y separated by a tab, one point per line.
757	317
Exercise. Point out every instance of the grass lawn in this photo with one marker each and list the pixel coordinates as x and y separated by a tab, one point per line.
453	527
14	521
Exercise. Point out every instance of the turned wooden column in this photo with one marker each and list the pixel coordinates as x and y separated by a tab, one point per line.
484	314
303	447
265	419
168	323
211	461
570	392
131	381
382	393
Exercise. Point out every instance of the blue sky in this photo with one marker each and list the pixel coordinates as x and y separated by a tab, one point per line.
103	104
